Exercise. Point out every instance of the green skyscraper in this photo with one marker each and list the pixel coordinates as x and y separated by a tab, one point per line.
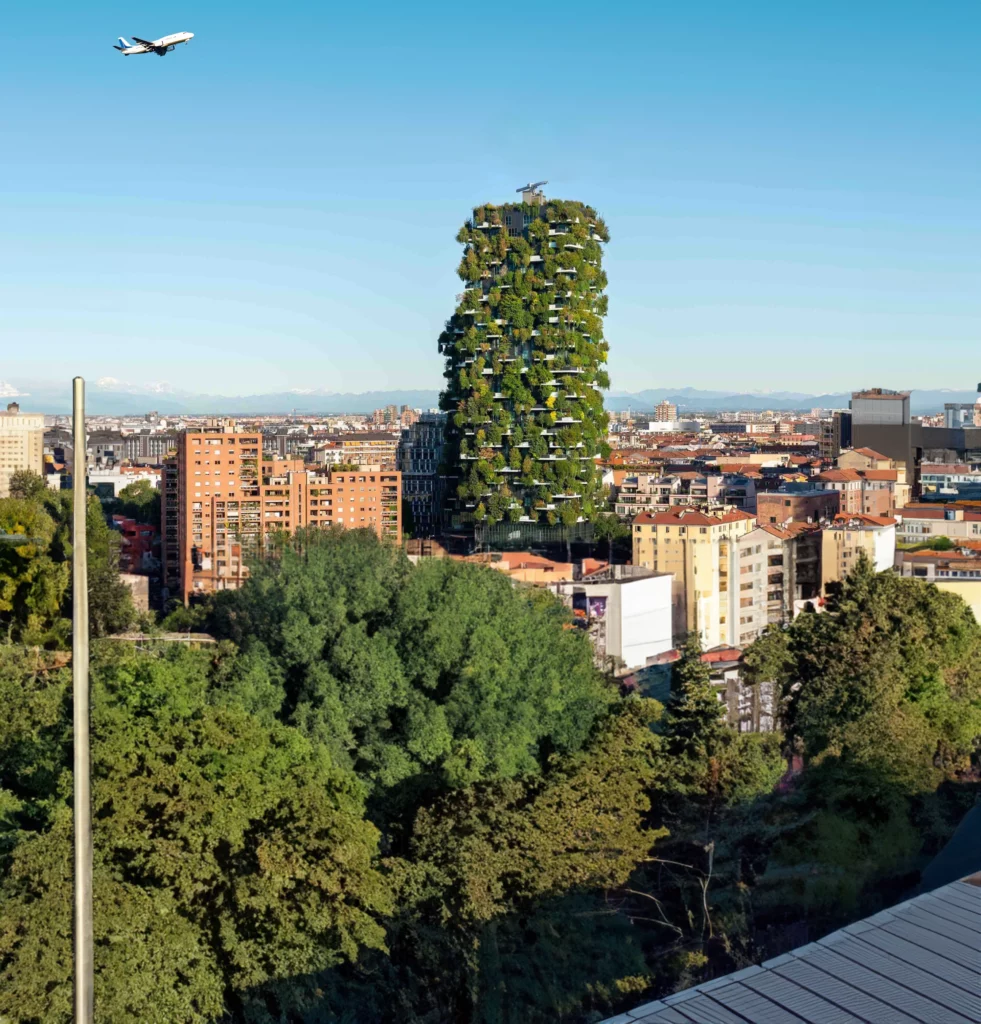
524	355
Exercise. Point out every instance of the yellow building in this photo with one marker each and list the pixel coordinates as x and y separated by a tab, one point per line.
843	542
21	444
697	548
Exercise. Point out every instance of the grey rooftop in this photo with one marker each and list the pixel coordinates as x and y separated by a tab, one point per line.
916	963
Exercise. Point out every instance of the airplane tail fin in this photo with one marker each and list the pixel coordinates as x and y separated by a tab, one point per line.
123	45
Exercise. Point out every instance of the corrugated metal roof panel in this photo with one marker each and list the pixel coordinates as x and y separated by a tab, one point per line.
805	1003
807	975
944	927
921	961
754	1006
704	1010
917	962
849	962
934	943
952	912
666	1016
953	896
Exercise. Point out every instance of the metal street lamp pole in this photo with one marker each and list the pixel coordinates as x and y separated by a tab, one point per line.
84	973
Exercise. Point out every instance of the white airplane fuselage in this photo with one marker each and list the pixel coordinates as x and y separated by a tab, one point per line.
159	46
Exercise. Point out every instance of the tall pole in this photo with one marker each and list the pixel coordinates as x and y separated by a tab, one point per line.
84	973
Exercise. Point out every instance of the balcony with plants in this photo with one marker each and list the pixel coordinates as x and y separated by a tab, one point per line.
524	353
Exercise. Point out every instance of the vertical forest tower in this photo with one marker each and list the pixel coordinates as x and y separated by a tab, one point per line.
524	356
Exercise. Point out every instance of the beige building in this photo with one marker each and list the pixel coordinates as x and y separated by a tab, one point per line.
921	523
958	574
21	444
866	458
698	549
665	412
847	537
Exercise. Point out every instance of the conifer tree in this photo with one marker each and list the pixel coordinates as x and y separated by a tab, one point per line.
694	713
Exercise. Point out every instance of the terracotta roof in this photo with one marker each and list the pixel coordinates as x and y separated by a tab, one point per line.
777	531
686	515
870	453
880	474
864	520
960	468
839	476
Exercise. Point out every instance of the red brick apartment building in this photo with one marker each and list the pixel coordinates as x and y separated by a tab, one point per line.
220	499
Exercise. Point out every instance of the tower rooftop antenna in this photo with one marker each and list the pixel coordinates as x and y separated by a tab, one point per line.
533	190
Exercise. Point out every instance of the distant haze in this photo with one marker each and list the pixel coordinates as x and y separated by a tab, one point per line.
112	398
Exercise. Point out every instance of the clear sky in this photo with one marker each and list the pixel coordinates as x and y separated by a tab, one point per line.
792	189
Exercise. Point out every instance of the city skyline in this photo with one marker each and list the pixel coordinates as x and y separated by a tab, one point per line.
777	184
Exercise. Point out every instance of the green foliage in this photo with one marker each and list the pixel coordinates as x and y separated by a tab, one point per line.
493	848
889	678
27	485
35	579
444	673
530	313
139	500
403	794
228	851
694	719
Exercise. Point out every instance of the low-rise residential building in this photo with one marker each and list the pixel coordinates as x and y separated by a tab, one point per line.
953	481
925	522
796	503
749	708
849	536
957	572
872	491
149	447
864	458
698	549
653	493
626	610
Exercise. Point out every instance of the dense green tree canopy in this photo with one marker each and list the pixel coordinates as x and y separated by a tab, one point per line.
404	795
35	572
228	851
889	677
139	500
444	673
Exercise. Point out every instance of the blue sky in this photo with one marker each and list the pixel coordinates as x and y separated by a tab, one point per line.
792	189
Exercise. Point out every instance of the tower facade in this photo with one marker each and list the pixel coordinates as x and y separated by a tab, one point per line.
524	367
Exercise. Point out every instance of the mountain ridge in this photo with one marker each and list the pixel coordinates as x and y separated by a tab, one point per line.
42	396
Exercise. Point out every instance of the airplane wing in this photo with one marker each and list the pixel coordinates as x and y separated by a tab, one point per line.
143	42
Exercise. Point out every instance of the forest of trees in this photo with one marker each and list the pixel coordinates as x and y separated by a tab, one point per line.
394	793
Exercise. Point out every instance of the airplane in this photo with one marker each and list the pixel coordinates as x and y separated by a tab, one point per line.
161	47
